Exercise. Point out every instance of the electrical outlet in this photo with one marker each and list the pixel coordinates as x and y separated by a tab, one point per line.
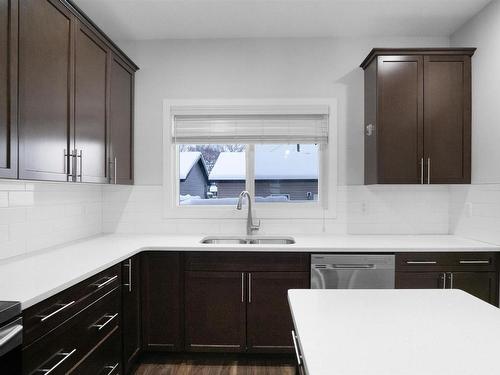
364	207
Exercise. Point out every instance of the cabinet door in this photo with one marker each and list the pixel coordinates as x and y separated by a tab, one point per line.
483	285
400	119
420	280
269	321
215	311
161	301
447	118
131	325
8	88
45	87
90	106
121	120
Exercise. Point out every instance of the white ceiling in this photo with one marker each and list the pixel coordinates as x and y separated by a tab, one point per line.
184	19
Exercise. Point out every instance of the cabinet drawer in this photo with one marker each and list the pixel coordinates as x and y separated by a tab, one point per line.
52	312
104	359
242	261
70	342
472	261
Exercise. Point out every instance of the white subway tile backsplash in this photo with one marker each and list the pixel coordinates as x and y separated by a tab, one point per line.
35	215
12	215
475	212
4	233
11	185
360	209
21	198
4	199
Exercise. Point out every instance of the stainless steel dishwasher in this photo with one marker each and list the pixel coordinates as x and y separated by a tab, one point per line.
358	271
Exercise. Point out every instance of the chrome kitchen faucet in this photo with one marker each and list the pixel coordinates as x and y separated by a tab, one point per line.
251	227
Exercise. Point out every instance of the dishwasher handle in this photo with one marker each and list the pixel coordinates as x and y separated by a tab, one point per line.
353	266
346	266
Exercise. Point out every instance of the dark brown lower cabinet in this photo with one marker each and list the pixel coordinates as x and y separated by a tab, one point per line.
269	321
161	301
65	348
131	317
215	311
420	280
483	285
104	359
245	310
474	273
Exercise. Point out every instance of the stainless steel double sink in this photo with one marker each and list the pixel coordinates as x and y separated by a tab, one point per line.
247	240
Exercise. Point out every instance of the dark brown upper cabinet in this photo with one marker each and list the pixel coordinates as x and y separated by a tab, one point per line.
121	122
418	116
75	89
8	88
91	82
45	86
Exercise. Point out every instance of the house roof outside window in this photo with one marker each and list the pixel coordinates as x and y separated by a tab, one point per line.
187	160
272	162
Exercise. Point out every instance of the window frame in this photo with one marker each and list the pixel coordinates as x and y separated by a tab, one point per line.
327	180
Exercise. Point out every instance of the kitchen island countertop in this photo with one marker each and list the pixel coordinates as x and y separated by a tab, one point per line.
395	332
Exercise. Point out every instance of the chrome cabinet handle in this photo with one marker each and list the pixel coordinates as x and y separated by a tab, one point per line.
242	287
65	355
63	307
81	165
428	170
443	276
111	368
295	345
109	320
422	171
421	262
474	262
70	172
115	164
109	280
250	287
451	280
129	266
66	164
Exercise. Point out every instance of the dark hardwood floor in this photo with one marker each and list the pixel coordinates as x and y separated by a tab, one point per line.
215	365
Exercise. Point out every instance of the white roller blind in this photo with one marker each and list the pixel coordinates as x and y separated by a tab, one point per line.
251	128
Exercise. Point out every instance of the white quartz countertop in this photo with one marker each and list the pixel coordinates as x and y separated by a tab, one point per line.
395	332
33	278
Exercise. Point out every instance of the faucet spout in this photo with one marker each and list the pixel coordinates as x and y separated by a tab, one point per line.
251	225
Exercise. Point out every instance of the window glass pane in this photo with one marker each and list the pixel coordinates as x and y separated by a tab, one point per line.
211	174
286	173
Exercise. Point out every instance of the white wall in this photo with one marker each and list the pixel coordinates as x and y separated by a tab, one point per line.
483	32
475	209
267	68
36	215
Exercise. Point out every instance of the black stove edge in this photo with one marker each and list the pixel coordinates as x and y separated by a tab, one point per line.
9	310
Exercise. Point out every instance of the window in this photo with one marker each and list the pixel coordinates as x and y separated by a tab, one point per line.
280	153
215	174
